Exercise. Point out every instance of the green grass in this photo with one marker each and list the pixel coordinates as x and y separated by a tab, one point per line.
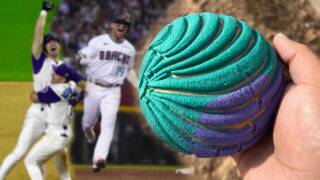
134	167
17	20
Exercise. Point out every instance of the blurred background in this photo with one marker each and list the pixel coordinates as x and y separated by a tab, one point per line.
77	21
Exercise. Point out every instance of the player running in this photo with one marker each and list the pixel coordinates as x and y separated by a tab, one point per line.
109	60
45	55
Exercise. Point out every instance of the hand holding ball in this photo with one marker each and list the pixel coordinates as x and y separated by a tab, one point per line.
210	85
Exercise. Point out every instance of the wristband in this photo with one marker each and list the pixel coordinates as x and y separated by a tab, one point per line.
43	13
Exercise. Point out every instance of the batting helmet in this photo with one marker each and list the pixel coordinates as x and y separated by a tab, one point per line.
48	37
122	16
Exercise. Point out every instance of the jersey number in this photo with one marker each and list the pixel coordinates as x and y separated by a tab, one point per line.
120	70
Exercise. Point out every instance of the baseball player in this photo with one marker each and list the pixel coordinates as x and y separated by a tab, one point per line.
45	51
109	60
58	132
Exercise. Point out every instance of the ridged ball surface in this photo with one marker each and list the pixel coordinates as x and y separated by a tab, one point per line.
210	85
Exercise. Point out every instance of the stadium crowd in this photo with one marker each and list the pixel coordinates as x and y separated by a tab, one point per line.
77	21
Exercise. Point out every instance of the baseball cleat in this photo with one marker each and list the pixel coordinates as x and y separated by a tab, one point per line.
90	134
100	164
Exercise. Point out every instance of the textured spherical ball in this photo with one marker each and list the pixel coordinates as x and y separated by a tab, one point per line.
210	85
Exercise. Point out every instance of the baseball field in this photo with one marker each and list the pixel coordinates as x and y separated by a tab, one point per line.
17	20
14	103
127	172
17	25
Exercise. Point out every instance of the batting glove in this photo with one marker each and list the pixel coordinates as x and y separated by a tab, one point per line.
47	6
76	98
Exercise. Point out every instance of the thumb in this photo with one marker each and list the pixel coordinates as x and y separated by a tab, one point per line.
304	65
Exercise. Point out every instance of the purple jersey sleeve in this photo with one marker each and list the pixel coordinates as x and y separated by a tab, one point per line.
48	96
37	63
69	72
75	75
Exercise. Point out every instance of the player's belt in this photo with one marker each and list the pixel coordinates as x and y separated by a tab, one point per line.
103	84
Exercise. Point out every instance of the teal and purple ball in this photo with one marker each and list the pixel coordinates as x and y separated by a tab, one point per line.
210	85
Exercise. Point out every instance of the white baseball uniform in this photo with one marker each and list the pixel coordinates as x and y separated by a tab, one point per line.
34	124
58	132
107	65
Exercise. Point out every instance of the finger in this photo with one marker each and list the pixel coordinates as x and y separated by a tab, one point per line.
285	72
304	65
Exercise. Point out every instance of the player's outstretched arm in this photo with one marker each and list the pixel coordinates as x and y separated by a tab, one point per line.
39	28
72	74
58	92
48	95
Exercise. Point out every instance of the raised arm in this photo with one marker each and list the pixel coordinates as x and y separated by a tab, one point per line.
39	28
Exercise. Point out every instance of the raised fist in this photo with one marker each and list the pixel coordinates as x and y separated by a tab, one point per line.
47	6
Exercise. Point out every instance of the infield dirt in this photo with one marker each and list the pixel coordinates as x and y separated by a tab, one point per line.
127	174
13	107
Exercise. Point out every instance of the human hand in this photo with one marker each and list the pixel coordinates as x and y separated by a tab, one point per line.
76	98
47	6
293	150
34	97
82	85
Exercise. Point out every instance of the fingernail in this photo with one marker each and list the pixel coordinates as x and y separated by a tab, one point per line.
282	36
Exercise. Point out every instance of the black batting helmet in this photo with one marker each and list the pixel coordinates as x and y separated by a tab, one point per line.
48	37
122	16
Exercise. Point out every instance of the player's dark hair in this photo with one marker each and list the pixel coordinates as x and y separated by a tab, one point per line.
48	37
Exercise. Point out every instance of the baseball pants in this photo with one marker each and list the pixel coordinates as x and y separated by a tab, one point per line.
48	146
106	101
33	128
